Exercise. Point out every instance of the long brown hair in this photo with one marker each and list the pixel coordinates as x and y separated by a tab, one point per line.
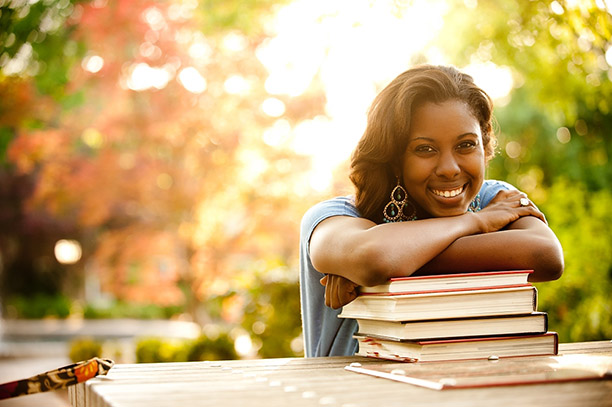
376	162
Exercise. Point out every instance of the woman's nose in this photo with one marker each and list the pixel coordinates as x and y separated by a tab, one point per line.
447	166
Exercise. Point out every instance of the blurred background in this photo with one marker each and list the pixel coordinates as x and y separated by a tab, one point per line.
156	158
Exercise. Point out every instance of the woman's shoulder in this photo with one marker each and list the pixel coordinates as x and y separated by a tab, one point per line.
338	206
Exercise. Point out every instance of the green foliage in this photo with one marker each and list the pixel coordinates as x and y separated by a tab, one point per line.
579	304
156	350
40	27
38	306
206	348
543	44
6	135
272	315
84	348
244	16
122	309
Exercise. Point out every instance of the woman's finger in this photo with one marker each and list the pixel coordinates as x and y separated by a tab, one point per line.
338	303
328	293
525	202
344	293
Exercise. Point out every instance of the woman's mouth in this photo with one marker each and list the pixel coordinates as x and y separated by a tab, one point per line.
448	193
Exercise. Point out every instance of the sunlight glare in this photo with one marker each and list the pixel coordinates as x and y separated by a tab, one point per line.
557	8
278	134
320	179
154	17
291	57
92	63
496	80
604	5
347	49
273	107
142	77
234	42
243	344
608	56
254	165
237	85
310	134
200	51
191	80
184	10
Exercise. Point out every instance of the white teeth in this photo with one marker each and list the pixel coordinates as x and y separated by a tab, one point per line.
447	193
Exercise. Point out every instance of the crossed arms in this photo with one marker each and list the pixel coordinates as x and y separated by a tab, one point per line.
503	236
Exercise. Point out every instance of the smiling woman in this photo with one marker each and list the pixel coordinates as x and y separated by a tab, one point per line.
421	205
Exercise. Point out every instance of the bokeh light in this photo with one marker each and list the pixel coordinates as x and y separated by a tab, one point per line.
67	251
192	80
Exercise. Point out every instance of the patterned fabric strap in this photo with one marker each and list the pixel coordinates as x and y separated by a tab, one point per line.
56	379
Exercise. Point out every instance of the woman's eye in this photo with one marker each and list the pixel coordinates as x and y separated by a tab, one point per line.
466	145
424	149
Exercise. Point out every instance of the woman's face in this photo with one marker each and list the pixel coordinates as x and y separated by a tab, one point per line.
444	162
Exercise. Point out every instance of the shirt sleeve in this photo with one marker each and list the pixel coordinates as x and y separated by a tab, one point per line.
340	206
324	333
490	188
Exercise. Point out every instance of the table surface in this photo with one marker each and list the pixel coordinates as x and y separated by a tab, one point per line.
319	382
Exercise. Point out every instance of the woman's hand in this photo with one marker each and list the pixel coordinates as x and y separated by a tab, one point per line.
504	209
339	291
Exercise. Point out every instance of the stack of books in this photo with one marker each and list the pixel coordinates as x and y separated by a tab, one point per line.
452	317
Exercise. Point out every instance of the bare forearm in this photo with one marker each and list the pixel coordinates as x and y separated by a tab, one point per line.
369	254
502	250
504	235
393	250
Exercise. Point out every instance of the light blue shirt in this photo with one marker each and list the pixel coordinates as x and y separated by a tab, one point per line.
324	333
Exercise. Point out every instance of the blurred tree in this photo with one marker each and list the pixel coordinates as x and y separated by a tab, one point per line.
579	305
271	312
36	53
158	159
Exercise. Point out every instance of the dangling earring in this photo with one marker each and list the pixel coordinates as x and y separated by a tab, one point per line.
475	204
408	211
399	209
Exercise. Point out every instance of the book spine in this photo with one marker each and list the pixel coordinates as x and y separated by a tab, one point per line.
462	275
446	290
556	342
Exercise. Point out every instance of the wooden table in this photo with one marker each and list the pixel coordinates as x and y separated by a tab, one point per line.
317	382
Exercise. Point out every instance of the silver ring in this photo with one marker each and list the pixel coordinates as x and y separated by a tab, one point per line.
524	202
